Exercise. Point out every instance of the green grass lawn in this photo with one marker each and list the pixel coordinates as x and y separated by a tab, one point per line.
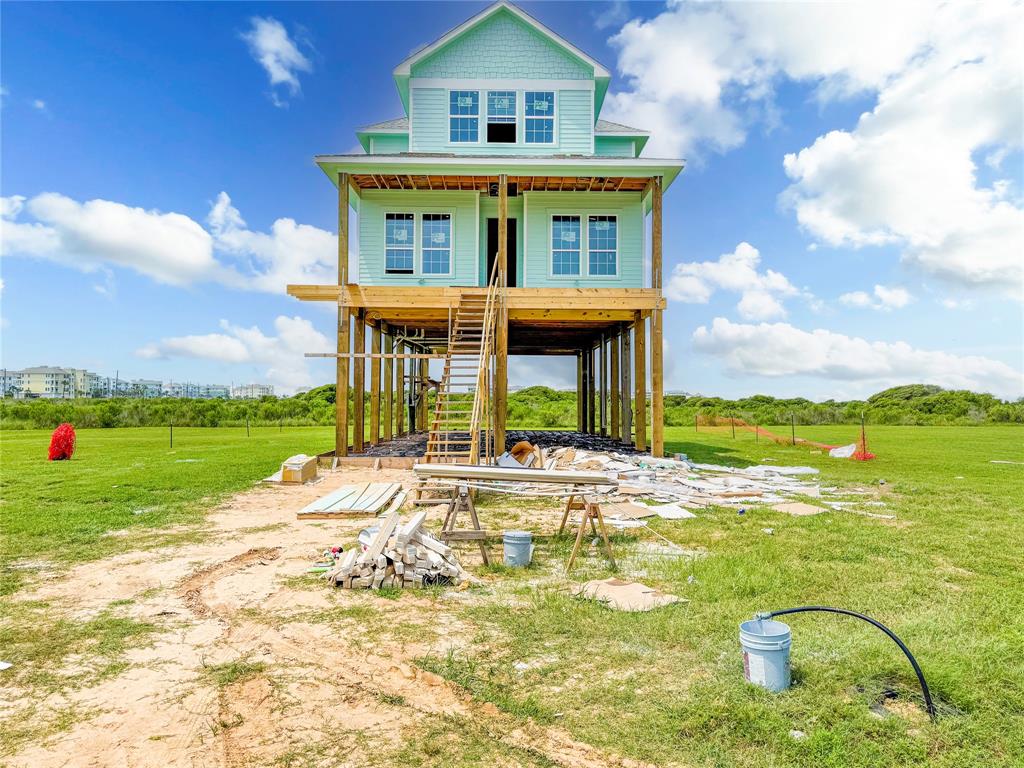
667	686
56	512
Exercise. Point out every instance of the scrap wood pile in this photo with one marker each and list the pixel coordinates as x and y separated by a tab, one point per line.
398	555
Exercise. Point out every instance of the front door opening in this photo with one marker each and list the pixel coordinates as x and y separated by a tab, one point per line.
492	249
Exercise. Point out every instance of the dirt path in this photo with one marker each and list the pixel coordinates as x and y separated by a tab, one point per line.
257	664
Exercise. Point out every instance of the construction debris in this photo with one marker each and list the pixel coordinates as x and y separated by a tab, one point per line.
626	595
362	500
398	556
798	508
295	470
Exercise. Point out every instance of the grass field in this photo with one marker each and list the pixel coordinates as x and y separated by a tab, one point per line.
666	686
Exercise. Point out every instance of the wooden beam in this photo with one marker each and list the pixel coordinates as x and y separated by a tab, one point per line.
501	337
389	383
341	386
602	390
579	391
656	228
421	400
640	396
375	385
657	385
380	355
592	392
343	228
401	410
614	419
625	391
359	383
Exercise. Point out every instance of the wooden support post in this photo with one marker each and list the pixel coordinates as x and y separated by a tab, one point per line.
341	377
341	386
375	385
501	338
585	393
657	319
592	393
602	390
359	383
579	391
614	418
424	390
389	383
640	395
626	367
400	404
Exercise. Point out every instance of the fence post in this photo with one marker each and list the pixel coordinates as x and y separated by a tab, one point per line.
792	427
733	422
247	425
172	434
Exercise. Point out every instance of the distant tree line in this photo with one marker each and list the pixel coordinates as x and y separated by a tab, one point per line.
534	407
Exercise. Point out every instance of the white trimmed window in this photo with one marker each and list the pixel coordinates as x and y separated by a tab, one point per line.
436	243
602	245
464	116
399	243
565	245
540	117
501	117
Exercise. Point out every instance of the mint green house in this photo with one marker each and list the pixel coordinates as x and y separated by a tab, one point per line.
502	135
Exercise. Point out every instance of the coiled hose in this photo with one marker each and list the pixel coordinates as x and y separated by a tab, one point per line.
892	635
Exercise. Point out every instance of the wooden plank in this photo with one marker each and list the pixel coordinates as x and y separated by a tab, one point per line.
375	386
389	385
625	391
640	395
387	527
602	388
344	493
579	391
358	383
473	472
657	386
501	336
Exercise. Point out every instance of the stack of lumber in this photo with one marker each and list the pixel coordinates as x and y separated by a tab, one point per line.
400	555
361	500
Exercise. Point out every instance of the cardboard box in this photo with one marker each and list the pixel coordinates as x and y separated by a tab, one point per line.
298	469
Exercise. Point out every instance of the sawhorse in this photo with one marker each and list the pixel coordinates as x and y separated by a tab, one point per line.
591	511
462	501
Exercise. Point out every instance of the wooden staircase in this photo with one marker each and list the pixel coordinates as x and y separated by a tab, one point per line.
460	432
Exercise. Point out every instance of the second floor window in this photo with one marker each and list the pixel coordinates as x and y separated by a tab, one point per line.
399	243
464	116
540	117
436	243
501	117
565	245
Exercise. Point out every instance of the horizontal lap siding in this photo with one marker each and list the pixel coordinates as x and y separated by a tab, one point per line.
626	205
389	145
614	146
429	119
374	204
575	122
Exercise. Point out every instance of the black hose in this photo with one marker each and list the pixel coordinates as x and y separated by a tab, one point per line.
892	635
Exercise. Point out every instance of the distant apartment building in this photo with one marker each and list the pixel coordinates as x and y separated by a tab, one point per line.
196	391
49	381
252	391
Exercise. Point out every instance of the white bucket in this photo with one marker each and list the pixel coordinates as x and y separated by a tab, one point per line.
765	645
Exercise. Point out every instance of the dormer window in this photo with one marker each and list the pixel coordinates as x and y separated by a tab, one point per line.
501	117
540	117
464	116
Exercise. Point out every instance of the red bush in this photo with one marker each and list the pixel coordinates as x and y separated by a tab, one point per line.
62	442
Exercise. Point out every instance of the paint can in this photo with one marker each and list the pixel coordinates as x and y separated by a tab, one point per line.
518	548
765	645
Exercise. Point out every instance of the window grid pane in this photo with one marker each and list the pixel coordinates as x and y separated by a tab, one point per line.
540	117
464	120
565	245
398	242
602	240
436	243
501	106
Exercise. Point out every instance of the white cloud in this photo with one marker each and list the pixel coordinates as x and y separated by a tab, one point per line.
271	46
906	174
287	368
762	292
169	247
39	104
884	298
779	349
616	12
700	74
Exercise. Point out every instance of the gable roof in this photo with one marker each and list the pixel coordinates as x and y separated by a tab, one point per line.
402	73
607	127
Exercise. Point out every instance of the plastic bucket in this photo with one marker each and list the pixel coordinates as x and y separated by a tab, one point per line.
518	548
765	645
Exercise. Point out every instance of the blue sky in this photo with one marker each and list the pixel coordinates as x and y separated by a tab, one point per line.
886	250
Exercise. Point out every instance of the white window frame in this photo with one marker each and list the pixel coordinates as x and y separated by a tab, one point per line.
451	242
387	272
485	96
480	108
553	118
417	250
584	273
616	251
551	248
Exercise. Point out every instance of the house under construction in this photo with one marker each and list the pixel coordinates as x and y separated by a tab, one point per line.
500	216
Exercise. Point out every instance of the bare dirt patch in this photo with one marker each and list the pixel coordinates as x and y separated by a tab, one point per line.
257	663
